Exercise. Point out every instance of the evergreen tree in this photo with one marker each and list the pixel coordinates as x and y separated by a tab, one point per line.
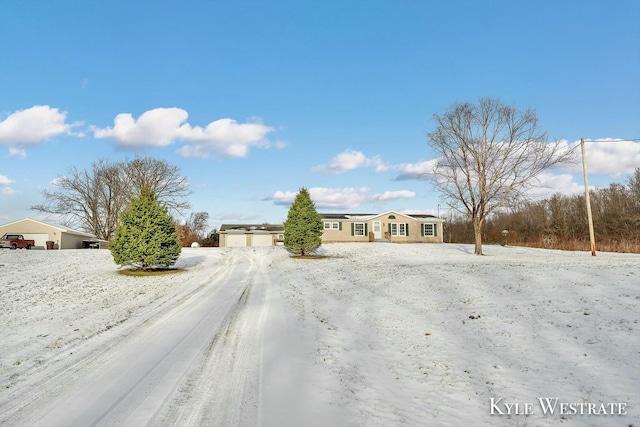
146	237
303	227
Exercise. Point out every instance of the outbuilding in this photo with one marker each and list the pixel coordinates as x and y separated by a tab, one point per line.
58	236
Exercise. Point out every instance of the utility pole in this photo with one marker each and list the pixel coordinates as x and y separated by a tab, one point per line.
586	193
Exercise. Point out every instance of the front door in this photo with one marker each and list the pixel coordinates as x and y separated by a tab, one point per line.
377	230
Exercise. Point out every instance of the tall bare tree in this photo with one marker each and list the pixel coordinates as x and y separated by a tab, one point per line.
163	179
490	154
92	199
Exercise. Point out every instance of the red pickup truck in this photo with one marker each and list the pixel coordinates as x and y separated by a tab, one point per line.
15	241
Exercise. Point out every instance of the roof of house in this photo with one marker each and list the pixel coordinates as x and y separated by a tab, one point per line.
366	217
61	228
326	216
252	227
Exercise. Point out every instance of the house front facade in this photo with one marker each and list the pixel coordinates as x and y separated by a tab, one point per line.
391	226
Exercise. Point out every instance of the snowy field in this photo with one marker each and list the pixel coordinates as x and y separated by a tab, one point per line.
373	334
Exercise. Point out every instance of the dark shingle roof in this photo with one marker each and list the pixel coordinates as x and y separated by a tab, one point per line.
342	216
347	216
252	227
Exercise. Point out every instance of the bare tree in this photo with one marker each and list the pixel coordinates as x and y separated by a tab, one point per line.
198	222
194	229
490	154
163	179
92	199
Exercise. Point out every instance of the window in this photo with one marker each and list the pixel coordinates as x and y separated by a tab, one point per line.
359	229
332	225
429	230
398	229
335	225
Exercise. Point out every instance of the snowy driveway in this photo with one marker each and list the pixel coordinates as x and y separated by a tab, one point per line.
192	359
371	335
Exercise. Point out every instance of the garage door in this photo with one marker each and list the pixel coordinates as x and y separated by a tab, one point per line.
40	239
262	240
235	240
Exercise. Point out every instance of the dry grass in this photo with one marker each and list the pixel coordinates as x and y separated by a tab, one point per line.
308	256
154	272
604	245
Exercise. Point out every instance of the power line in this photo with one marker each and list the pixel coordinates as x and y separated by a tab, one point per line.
612	140
575	147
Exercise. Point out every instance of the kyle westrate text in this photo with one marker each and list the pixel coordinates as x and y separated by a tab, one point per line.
552	405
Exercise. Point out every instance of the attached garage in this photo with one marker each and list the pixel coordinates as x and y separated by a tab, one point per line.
236	240
235	235
40	239
43	232
261	239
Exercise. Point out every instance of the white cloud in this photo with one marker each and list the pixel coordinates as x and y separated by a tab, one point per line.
349	160
157	127
32	126
340	198
282	197
419	170
164	126
326	198
5	183
225	137
5	180
17	152
394	195
613	157
549	184
56	181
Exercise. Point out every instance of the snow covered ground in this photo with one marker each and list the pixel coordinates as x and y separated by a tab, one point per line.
374	334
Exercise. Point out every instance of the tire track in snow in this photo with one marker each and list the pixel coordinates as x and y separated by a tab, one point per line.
128	383
224	390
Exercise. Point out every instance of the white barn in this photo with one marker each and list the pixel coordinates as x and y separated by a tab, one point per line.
43	232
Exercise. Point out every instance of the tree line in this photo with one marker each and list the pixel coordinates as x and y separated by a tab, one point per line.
560	222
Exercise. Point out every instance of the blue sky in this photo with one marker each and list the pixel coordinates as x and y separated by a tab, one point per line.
255	99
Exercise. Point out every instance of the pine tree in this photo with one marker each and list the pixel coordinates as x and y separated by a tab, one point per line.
303	227
146	237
